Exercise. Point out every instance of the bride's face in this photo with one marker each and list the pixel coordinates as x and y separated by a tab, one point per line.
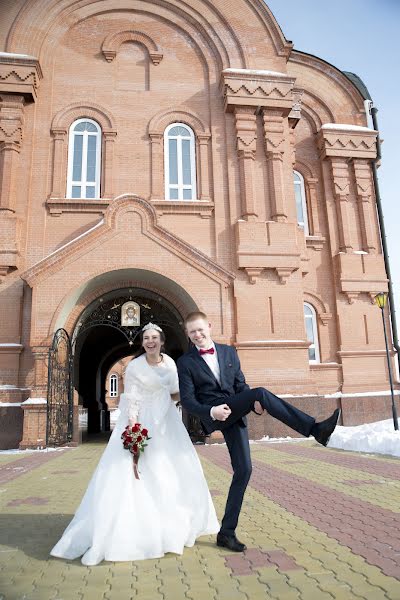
152	342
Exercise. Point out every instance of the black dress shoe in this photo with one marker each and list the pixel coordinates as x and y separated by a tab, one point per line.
322	431
231	542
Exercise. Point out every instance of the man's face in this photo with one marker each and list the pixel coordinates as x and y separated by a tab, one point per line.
131	313
199	333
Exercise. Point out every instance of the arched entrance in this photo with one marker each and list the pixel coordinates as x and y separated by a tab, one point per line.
102	336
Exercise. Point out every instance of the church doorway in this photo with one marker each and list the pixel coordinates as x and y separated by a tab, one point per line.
106	333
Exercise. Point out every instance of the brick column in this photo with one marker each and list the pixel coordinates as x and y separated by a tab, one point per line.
108	160
59	177
11	129
341	183
246	139
366	209
274	138
313	207
35	408
157	167
204	178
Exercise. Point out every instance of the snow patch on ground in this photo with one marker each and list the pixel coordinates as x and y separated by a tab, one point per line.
29	451
375	438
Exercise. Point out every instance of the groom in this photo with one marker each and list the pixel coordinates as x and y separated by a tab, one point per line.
213	387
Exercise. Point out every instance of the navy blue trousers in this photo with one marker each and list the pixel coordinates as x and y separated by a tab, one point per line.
237	441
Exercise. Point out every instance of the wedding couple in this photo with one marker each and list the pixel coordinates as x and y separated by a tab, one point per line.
122	518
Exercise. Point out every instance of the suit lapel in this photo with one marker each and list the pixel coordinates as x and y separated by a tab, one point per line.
202	363
221	354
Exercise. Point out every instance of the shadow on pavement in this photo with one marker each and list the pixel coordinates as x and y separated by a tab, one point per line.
35	535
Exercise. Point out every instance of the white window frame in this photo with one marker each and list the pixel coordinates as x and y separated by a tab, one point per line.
71	142
300	183
180	186
113	392
315	344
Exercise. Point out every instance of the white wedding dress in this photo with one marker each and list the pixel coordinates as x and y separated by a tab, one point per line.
122	518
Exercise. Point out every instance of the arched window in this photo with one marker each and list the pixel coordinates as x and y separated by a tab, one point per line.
179	162
84	159
301	204
312	333
113	385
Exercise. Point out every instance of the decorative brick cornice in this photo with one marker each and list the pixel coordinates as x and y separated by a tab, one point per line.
20	74
11	120
247	87
112	43
360	273
260	246
107	228
346	141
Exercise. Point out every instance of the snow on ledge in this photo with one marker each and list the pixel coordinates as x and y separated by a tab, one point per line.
34	401
362	394
346	127
6	404
10	345
255	72
13	55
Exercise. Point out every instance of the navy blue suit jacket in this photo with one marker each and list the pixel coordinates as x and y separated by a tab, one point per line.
199	389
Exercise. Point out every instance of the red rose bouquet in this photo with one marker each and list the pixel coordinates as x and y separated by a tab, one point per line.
134	439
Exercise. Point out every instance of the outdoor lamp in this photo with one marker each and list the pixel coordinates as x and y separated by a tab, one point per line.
380	300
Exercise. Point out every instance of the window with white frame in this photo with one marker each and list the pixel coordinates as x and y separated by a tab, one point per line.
301	204
113	385
310	319
84	159
179	162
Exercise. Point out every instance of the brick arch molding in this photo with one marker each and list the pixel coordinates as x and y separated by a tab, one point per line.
38	17
80	110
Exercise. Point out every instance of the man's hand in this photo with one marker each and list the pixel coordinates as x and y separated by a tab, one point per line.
221	412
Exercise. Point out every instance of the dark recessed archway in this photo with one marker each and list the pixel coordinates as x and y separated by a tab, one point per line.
100	341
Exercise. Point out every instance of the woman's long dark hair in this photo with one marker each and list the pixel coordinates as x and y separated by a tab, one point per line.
142	350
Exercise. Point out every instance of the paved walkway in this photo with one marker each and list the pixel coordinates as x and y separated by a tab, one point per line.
319	524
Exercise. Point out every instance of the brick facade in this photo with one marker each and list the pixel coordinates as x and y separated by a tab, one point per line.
257	110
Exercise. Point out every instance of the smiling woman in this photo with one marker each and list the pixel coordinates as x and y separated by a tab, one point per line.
119	501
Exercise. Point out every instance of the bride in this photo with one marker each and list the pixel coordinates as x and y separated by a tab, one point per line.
122	518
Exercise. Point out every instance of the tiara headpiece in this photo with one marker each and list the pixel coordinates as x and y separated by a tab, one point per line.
151	326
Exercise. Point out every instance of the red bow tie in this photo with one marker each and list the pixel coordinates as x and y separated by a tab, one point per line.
209	351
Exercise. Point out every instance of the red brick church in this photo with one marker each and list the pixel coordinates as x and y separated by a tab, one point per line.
161	157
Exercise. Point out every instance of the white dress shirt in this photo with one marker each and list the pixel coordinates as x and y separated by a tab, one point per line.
212	362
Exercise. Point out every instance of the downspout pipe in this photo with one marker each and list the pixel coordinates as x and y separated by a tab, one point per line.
392	312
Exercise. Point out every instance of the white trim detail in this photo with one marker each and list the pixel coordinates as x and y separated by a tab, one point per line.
82	182
113	385
311	315
180	187
301	202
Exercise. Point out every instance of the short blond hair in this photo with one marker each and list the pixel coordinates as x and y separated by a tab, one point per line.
197	314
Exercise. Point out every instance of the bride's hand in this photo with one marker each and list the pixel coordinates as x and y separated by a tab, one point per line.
175	397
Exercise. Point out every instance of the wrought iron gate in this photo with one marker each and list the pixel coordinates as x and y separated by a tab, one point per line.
59	390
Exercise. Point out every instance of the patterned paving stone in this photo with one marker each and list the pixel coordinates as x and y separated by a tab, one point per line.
366	464
291	554
19	467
